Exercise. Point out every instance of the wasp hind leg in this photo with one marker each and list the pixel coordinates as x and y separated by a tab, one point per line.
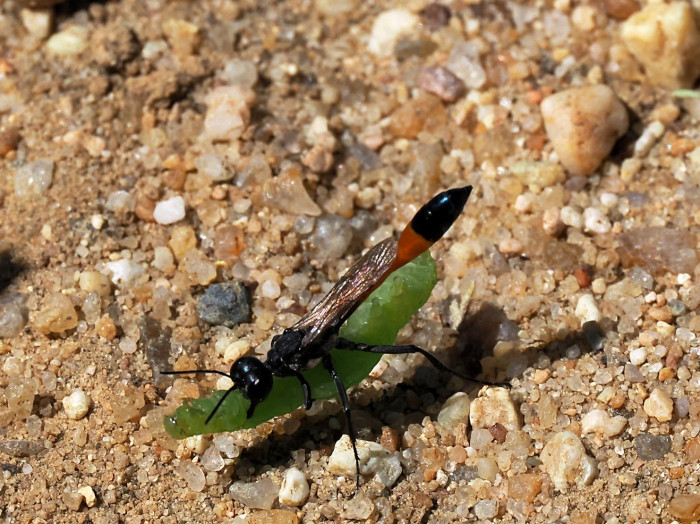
328	364
403	350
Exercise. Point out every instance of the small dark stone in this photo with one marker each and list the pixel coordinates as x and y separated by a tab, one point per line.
498	432
593	335
21	448
466	473
441	82
435	16
226	304
652	447
632	374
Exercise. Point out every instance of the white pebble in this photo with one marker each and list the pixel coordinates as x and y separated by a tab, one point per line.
295	488
71	41
638	356
89	495
374	459
119	201
524	202
169	211
211	165
270	289
571	217
494	405
595	221
587	310
76	405
193	475
388	28
34	179
124	271
659	405
599	421
228	112
455	410
648	138
564	458
37	21
97	221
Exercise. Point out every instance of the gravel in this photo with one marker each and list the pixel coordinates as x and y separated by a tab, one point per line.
152	151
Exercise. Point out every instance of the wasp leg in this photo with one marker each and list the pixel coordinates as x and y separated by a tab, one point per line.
402	350
308	399
328	364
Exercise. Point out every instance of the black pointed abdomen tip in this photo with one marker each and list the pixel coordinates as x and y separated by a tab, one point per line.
437	216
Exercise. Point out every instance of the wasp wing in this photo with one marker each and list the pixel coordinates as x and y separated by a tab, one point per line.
349	292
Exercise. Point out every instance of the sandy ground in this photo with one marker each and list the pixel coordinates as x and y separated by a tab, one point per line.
151	149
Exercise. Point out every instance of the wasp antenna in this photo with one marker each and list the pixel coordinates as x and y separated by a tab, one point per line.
218	404
200	371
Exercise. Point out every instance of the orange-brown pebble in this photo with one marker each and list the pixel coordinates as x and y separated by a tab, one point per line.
583	517
182	239
411	118
229	241
617	401
106	328
666	373
389	438
9	138
276	516
144	208
676	472
536	142
174	179
540	376
582	277
524	487
660	313
692	450
685	508
457	454
621	9
498	432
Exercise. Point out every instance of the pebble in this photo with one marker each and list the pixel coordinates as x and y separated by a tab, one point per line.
21	448
564	459
256	495
525	487
538	175
486	509
336	8
494	405
184	37
375	460
95	281
441	82
388	27
57	314
211	165
287	192
227	445
73	501
77	404
119	202
198	267
37	21
295	488
193	475
666	40
658	249
587	309
212	459
659	405
455	411
125	272
638	356
182	240
599	421
571	217
648	138
69	42
465	62
595	221
228	112
225	304
34	179
163	258
11	319
169	211
686	508
88	495
242	73
331	237
652	447
583	124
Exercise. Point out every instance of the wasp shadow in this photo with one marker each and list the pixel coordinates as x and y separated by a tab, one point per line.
423	392
10	268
